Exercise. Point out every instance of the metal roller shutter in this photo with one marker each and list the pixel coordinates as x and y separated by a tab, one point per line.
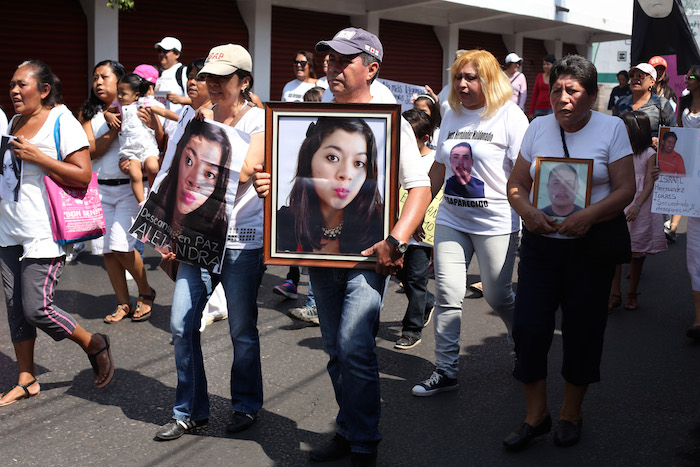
569	49
57	35
199	26
483	40
533	53
412	53
294	30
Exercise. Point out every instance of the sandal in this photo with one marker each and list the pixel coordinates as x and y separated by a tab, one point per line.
139	304
26	394
631	302
95	367
122	311
614	302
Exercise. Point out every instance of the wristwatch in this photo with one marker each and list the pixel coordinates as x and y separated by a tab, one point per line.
401	247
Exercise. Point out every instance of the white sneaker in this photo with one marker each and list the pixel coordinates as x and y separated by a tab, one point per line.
75	251
129	277
306	313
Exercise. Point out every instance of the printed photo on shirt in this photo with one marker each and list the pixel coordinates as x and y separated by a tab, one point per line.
463	184
10	171
189	207
562	186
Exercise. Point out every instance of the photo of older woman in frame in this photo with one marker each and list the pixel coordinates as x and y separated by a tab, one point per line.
331	199
562	186
10	171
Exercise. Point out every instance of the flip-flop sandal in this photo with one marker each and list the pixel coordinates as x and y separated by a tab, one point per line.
93	362
122	311
139	304
26	395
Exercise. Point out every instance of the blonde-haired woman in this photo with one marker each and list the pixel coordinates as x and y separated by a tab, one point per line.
479	142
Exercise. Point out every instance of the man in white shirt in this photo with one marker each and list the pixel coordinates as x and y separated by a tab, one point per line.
173	74
349	300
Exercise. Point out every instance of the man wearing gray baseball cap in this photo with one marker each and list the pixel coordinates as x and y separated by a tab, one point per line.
349	300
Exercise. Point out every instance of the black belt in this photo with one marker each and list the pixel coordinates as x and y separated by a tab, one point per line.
117	181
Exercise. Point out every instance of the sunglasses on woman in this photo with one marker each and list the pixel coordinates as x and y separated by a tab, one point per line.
690	77
301	63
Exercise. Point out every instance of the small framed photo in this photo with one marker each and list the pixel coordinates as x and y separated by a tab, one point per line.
334	190
562	185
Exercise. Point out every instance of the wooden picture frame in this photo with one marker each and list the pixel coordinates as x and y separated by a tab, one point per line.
572	186
295	233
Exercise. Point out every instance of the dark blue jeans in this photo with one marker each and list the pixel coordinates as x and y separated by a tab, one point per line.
240	276
348	303
414	276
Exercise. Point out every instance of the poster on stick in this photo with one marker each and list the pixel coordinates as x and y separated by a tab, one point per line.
677	191
189	207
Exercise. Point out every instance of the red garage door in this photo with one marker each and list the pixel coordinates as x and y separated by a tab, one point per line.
294	30
199	25
412	53
55	33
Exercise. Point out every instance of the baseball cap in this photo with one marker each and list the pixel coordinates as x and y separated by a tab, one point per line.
147	72
350	41
513	58
226	59
656	61
169	43
646	68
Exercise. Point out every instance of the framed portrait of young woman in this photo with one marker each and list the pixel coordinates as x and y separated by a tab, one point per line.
562	186
334	190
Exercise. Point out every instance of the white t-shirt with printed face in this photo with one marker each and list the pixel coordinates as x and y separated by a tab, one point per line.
495	143
294	90
28	223
604	139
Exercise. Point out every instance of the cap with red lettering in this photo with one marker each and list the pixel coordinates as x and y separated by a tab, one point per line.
351	41
224	60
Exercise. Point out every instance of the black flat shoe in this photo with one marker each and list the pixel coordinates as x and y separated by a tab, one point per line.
567	433
521	438
335	449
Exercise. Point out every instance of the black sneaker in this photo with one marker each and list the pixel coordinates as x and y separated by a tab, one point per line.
176	428
335	449
241	421
363	459
407	342
438	382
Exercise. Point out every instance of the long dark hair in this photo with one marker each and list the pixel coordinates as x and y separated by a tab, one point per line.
638	129
213	211
685	101
311	61
44	77
304	202
94	104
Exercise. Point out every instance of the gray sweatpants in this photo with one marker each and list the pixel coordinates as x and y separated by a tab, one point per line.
29	286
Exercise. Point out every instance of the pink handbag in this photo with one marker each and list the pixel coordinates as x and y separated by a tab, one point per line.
76	213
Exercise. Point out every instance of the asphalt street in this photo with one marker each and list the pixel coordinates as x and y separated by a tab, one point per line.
645	412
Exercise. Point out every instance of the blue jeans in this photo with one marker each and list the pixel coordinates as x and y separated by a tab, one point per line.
348	303
240	277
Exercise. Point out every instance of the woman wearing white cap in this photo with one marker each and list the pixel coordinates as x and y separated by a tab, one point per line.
227	72
657	108
517	79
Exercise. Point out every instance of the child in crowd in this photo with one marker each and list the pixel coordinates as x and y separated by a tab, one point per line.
646	228
137	142
414	274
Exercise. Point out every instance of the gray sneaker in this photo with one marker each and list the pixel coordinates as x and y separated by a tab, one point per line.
306	313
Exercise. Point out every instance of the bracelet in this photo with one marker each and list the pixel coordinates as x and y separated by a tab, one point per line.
636	206
674	225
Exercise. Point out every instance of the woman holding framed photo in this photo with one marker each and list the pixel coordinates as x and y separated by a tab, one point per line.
569	264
